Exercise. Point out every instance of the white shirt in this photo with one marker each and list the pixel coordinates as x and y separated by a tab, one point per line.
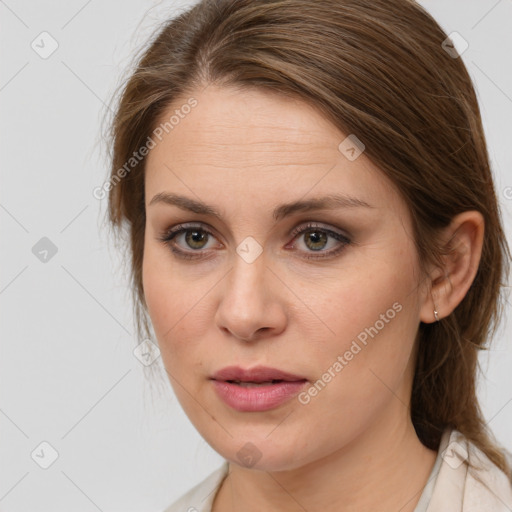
451	487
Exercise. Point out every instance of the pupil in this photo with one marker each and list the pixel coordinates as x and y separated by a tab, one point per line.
194	239
318	238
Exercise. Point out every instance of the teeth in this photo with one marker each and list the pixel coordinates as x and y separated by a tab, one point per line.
254	384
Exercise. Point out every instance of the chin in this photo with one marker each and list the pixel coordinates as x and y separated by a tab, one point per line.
259	452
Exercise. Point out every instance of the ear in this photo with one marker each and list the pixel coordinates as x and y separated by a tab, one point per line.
463	240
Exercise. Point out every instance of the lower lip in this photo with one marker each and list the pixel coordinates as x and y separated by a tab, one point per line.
260	398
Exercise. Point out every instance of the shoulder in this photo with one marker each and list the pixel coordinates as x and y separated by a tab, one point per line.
487	486
200	498
468	480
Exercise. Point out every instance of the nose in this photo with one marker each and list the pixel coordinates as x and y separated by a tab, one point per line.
252	305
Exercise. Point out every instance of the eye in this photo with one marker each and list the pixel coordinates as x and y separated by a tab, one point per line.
191	241
185	239
315	238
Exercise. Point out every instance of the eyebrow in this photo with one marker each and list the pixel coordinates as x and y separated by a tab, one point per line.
329	202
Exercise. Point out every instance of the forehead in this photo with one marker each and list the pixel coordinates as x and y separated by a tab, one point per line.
252	123
255	143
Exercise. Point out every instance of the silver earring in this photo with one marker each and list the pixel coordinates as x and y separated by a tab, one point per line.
436	316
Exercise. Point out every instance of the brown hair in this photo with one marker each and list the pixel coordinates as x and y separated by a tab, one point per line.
376	69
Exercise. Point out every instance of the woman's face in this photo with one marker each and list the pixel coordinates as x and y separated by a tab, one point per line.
307	266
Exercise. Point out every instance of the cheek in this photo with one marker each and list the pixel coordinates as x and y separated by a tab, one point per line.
164	294
364	295
373	316
157	292
177	308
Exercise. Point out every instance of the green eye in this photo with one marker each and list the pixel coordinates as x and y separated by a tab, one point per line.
316	238
191	241
196	238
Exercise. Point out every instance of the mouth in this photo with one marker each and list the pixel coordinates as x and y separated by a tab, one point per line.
256	390
260	375
246	384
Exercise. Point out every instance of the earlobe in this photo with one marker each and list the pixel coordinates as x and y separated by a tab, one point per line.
463	241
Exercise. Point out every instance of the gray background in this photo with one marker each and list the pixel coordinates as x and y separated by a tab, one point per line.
67	372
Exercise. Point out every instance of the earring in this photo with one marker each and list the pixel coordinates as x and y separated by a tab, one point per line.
436	316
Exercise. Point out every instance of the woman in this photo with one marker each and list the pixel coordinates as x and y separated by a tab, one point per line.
315	236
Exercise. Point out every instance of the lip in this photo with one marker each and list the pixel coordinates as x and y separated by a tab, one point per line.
256	374
258	398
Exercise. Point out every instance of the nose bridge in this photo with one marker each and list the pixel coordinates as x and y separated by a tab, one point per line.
249	302
249	268
246	281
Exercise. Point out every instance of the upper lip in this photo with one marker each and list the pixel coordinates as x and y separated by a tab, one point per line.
256	374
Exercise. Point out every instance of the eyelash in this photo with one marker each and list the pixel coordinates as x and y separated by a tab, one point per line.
168	237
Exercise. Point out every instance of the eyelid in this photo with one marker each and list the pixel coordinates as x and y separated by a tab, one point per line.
170	233
183	227
343	240
308	225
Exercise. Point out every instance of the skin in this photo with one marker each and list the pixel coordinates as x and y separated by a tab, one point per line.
353	446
